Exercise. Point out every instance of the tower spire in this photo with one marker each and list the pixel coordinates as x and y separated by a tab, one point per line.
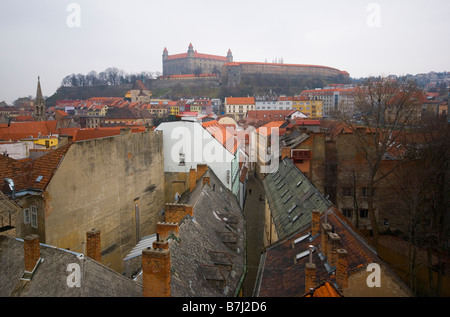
39	103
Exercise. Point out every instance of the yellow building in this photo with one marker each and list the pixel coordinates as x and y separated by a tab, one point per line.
312	108
174	109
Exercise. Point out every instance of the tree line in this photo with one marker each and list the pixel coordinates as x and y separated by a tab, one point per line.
109	77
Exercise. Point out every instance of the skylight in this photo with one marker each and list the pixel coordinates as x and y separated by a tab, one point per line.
292	208
287	199
301	238
39	178
303	254
299	183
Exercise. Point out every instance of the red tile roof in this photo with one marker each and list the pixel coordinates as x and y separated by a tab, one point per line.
224	135
22	130
270	114
324	290
46	166
240	100
198	55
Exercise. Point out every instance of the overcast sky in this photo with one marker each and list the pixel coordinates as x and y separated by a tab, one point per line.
53	39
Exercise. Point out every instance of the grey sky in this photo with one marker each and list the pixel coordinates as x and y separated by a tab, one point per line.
411	36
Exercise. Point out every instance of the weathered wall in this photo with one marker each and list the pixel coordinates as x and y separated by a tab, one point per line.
114	184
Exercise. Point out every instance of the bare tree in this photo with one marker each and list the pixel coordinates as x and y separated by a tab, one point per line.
386	108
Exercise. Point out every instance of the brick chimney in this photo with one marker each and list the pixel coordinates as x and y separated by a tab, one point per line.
315	222
176	212
310	273
325	228
93	245
286	152
156	272
165	229
334	242
192	179
32	252
342	268
201	170
158	244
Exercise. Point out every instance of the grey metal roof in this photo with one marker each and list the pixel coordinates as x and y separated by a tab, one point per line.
291	198
143	244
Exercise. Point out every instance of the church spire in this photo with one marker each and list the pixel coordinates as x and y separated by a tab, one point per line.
39	103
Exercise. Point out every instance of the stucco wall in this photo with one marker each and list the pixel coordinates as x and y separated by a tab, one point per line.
103	184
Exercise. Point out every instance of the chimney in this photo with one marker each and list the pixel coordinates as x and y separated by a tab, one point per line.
206	180
32	252
333	243
156	272
176	212
161	244
342	268
192	179
286	152
201	170
315	222
165	229
93	245
325	228
310	273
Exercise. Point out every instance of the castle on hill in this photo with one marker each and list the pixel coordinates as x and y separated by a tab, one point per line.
230	73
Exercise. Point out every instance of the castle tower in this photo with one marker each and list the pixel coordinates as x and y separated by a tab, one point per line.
39	104
165	54
190	52
229	56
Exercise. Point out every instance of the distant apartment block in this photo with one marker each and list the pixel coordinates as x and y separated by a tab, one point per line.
308	106
239	106
333	97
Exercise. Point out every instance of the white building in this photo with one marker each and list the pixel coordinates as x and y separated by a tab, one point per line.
279	103
189	143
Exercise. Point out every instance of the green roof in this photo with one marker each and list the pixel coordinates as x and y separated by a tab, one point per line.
292	198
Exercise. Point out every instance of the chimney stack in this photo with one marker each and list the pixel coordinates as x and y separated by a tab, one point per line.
165	229
192	179
32	252
201	170
176	212
156	272
342	268
286	152
325	228
93	245
206	180
315	222
333	244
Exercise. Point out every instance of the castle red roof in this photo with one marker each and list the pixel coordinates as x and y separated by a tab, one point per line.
198	55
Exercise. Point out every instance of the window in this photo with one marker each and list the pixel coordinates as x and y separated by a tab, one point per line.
364	213
182	160
34	217
365	192
26	216
347	191
347	212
